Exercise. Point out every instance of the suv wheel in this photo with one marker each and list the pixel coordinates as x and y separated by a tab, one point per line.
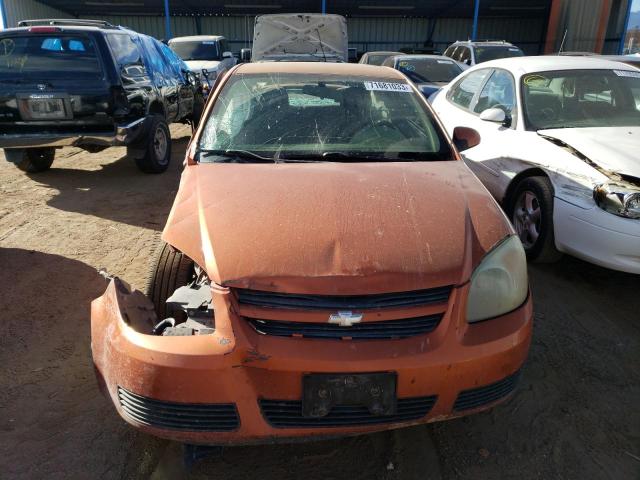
153	153
531	212
31	160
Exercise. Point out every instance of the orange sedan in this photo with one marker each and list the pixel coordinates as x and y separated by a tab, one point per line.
331	267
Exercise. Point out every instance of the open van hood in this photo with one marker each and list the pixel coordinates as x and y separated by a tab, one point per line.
296	33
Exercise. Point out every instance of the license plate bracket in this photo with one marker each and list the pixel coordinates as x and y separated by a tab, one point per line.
376	391
44	107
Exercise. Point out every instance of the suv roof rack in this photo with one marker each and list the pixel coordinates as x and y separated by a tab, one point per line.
76	22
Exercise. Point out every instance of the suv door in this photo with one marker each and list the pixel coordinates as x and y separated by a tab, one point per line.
162	78
182	77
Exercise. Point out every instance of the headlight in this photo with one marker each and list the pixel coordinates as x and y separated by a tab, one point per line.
499	284
619	199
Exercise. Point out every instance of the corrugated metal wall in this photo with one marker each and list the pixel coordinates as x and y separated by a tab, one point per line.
372	33
16	10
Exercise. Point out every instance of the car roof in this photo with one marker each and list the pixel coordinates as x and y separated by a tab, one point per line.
497	43
419	56
322	68
196	38
522	65
383	52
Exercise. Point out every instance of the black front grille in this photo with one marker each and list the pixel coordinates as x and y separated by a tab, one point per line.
288	413
205	417
478	397
388	329
415	298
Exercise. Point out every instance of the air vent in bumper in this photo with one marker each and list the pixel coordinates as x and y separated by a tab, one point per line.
203	417
478	397
288	413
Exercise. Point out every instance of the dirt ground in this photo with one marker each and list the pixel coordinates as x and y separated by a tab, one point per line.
576	414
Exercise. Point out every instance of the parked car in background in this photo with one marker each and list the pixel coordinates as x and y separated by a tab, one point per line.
472	53
204	52
91	85
376	58
331	267
300	37
428	72
561	137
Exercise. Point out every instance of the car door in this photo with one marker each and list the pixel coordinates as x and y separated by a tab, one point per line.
489	88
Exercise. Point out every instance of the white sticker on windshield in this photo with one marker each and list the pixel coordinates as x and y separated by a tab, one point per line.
627	73
387	87
208	43
445	61
514	49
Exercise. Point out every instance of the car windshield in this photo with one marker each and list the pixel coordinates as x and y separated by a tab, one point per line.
198	50
377	59
581	98
423	70
486	53
46	56
322	117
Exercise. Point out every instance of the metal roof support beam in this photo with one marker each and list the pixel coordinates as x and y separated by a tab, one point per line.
167	21
552	29
476	13
324	7
605	11
625	27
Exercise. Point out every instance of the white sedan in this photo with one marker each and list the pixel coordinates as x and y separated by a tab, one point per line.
560	149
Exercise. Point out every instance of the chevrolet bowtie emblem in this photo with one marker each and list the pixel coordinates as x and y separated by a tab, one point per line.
345	319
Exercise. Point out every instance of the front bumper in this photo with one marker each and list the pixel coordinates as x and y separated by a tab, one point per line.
597	236
122	135
205	380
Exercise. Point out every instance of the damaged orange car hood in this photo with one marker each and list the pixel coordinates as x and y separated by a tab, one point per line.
335	228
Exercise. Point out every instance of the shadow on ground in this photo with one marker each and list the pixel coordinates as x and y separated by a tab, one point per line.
54	423
117	190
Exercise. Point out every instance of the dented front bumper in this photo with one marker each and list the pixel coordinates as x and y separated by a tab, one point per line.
237	386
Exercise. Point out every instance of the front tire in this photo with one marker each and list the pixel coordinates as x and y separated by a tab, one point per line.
153	153
531	212
170	270
31	160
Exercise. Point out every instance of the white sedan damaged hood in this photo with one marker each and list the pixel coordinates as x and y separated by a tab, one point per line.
616	149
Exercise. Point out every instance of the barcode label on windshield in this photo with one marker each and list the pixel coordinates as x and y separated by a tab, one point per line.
387	87
627	73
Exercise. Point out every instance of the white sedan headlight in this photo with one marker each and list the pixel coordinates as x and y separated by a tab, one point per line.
499	284
618	199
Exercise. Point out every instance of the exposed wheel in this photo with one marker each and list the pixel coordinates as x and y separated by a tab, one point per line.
153	153
31	160
531	212
170	270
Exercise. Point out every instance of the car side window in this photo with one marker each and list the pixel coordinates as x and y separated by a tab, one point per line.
498	92
156	63
388	62
449	52
224	46
462	93
174	62
124	49
465	56
455	53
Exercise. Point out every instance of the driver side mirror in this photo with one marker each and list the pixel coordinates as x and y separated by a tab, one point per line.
227	55
496	115
465	138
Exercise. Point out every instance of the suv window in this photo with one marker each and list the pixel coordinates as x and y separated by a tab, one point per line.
463	92
56	55
465	55
224	46
498	92
159	68
124	49
449	51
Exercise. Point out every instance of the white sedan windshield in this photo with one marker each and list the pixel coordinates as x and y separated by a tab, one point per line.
581	98
310	116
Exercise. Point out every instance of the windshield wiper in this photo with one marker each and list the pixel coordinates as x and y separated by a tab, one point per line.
239	156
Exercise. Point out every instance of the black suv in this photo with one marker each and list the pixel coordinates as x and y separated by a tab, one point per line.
89	84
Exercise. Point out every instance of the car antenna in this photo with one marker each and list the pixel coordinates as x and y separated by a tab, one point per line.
564	37
321	47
